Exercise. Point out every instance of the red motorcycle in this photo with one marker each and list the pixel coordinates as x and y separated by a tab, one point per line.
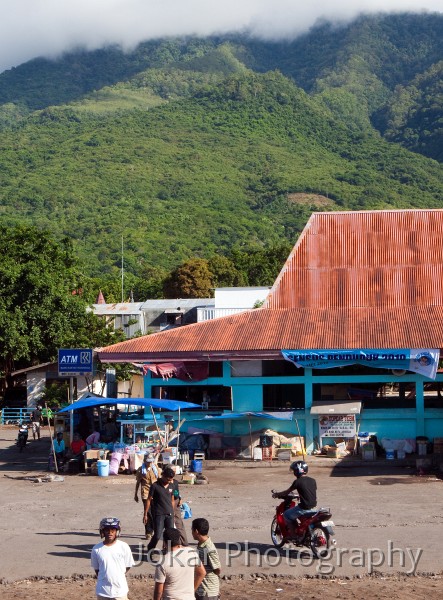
315	529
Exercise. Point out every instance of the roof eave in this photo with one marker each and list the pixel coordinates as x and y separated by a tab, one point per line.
156	357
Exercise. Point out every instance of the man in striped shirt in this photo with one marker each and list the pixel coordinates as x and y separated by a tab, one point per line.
209	589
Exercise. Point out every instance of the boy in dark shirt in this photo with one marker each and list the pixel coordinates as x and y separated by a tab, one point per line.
163	495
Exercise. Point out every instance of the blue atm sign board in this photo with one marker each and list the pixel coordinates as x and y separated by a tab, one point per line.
74	362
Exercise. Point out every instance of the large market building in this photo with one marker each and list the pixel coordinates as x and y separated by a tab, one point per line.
362	294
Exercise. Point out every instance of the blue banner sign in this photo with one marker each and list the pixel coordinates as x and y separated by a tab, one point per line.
75	362
422	361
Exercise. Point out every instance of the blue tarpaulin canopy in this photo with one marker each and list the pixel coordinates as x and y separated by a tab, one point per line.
148	402
288	416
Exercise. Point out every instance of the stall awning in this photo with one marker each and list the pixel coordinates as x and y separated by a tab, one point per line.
329	407
146	402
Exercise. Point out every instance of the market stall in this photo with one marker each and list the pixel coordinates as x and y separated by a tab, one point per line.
137	436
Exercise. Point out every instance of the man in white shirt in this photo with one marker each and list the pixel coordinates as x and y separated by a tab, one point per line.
111	560
179	572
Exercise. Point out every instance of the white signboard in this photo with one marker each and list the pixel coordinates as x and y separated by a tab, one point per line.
337	426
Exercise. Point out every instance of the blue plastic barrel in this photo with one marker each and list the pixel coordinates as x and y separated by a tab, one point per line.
103	468
196	466
389	454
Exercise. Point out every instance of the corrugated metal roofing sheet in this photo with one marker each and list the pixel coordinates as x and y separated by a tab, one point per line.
372	258
353	280
120	308
182	303
267	331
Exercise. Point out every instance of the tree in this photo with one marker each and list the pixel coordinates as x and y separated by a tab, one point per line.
192	279
224	272
149	283
260	266
42	307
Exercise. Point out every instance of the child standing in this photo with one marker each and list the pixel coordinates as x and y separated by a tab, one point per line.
111	560
209	589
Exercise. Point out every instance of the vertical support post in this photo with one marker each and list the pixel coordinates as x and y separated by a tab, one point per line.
309	425
71	413
420	407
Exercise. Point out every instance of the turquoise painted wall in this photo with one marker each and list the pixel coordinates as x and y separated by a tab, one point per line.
247	394
433	424
247	397
390	425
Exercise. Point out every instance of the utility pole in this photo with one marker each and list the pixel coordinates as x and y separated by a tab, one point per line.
122	274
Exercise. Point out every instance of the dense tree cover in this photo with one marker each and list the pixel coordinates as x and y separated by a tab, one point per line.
41	304
198	175
195	148
252	266
414	115
192	279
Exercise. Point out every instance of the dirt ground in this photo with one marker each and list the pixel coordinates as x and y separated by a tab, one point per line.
388	530
382	588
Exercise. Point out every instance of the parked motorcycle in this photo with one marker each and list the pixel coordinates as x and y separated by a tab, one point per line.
315	529
22	436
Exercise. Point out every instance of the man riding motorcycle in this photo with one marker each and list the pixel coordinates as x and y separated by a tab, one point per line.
306	487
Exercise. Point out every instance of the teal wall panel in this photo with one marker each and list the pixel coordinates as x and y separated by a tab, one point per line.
247	397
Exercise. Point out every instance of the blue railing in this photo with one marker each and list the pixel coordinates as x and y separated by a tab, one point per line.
11	416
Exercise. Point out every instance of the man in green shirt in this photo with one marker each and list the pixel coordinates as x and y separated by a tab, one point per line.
209	589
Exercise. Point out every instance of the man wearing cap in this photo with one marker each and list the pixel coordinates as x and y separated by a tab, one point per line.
145	476
36	419
111	559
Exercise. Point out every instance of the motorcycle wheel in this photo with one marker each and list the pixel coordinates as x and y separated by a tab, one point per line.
320	542
276	536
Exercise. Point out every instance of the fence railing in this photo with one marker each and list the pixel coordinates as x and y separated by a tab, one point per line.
207	314
10	416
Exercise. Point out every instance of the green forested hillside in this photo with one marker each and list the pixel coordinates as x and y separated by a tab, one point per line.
414	114
193	148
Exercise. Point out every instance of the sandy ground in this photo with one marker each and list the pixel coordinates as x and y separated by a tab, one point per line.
388	530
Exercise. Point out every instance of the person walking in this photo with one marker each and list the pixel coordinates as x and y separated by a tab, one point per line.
36	420
145	476
111	559
180	571
162	501
178	519
209	588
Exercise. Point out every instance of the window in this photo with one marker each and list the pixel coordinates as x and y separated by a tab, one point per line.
433	393
218	397
275	368
372	395
283	397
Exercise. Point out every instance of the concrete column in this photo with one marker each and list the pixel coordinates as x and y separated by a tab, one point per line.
420	407
309	421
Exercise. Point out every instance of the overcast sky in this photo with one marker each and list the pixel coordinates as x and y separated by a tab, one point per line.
31	28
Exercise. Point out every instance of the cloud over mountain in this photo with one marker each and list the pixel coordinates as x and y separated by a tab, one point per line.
31	28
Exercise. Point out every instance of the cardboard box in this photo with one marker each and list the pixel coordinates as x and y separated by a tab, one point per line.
368	453
188	478
332	452
341	449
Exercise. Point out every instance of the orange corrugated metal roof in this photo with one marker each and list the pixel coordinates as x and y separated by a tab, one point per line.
353	280
264	332
369	258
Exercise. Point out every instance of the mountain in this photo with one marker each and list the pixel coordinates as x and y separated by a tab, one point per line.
413	116
191	147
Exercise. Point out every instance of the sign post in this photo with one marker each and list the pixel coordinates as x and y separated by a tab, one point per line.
74	363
